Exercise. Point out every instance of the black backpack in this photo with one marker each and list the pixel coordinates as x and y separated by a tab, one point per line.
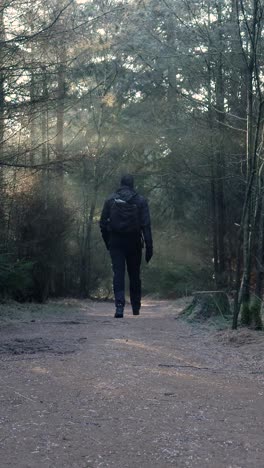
124	217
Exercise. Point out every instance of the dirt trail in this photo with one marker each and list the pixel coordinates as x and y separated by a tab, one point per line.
82	389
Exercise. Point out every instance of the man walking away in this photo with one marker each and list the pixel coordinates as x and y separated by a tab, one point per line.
124	223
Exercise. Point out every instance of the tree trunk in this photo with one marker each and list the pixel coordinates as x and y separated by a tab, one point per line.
2	95
252	138
247	233
86	257
44	138
3	233
60	121
33	117
61	27
220	157
59	181
255	310
172	69
212	162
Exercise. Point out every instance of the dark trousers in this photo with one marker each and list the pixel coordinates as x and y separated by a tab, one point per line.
127	255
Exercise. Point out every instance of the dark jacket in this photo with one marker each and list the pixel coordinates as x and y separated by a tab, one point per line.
144	217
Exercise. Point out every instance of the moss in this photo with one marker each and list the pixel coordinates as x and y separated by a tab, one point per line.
221	302
255	314
187	313
209	306
246	314
174	280
15	277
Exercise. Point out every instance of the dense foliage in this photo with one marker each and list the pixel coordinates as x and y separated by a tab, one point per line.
169	90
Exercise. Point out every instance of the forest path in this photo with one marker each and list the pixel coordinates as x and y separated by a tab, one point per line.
82	389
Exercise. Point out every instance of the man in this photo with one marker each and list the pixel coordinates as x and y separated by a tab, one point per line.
124	223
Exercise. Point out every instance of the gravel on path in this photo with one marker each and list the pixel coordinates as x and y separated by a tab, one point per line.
81	389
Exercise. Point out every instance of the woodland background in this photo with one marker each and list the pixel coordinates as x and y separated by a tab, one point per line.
169	90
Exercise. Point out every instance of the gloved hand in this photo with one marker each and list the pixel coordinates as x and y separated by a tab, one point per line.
148	254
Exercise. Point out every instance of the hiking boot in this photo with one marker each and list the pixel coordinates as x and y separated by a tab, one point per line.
119	311
136	311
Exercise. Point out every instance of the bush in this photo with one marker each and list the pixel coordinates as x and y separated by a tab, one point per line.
15	277
38	234
174	282
43	239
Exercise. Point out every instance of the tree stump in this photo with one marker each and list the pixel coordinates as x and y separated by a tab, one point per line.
208	304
